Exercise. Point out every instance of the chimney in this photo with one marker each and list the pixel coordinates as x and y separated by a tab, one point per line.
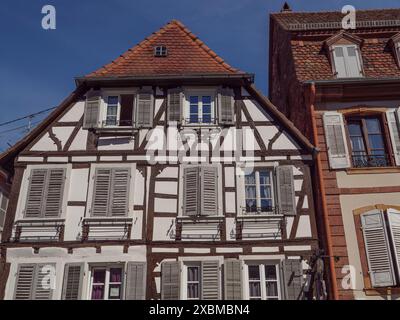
286	8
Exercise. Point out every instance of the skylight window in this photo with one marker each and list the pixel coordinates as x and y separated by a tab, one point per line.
160	51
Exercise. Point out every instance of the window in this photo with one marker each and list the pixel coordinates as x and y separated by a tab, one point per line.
397	52
119	110
106	283
193	282
368	147
347	61
259	191
3	210
112	111
200	109
263	282
381	235
160	51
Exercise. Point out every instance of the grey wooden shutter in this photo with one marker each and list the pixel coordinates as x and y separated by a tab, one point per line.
393	118
225	106
293	279
101	192
210	280
54	192
209	191
36	193
170	280
120	191
233	279
72	284
336	140
41	288
394	224
92	111
144	109
24	282
191	192
340	63
175	105
286	193
135	288
377	249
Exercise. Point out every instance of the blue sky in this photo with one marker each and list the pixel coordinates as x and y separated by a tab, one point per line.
38	67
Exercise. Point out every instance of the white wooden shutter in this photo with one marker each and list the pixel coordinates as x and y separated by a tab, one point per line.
377	249
54	192
120	191
170	280
209	191
210	280
336	140
394	224
225	106
24	282
340	63
191	191
92	111
286	193
144	109
36	193
353	65
393	118
293	279
72	284
175	105
135	281
101	192
233	279
42	286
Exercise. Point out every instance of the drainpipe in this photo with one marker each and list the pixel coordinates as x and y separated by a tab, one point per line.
310	101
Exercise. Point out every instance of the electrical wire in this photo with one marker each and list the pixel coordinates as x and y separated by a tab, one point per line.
27	117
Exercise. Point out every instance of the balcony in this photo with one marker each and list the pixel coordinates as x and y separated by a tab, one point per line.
39	230
106	229
363	160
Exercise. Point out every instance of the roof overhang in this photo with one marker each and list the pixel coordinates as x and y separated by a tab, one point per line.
167	80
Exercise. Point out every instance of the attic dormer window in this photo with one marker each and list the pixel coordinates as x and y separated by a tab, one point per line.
397	49
347	61
160	51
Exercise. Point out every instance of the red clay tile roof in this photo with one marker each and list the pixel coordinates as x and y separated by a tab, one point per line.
187	55
288	20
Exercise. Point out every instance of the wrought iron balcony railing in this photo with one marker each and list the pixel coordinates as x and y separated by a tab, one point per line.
368	161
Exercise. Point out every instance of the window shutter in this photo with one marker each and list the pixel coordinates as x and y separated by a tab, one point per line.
24	282
191	192
120	191
42	287
336	141
286	193
170	280
339	60
72	284
225	105
92	110
54	192
135	281
144	109
209	191
393	118
210	280
394	223
102	186
175	105
377	249
233	279
353	64
36	193
292	278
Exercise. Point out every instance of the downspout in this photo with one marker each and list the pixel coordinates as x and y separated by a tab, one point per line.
310	101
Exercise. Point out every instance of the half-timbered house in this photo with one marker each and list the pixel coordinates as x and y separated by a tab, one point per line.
164	175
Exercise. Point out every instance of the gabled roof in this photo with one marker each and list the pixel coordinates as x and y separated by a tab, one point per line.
297	21
343	35
187	55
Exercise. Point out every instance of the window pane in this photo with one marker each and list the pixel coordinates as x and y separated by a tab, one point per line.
115	291
272	289
113	100
193	291
376	142
265	177
250	178
193	273
266	205
351	51
254	273
373	125
265	192
250	192
270	272
255	289
206	100
194	109
355	129
99	276
339	51
98	292
115	274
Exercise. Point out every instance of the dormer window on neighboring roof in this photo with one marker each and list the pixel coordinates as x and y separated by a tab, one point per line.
395	42
160	51
345	55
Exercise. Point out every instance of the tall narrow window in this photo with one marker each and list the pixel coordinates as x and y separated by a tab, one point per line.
368	147
263	282
106	283
259	191
112	111
193	282
3	209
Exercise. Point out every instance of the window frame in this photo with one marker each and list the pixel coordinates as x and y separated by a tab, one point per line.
272	186
345	59
188	93
197	265
107	268
384	133
3	211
